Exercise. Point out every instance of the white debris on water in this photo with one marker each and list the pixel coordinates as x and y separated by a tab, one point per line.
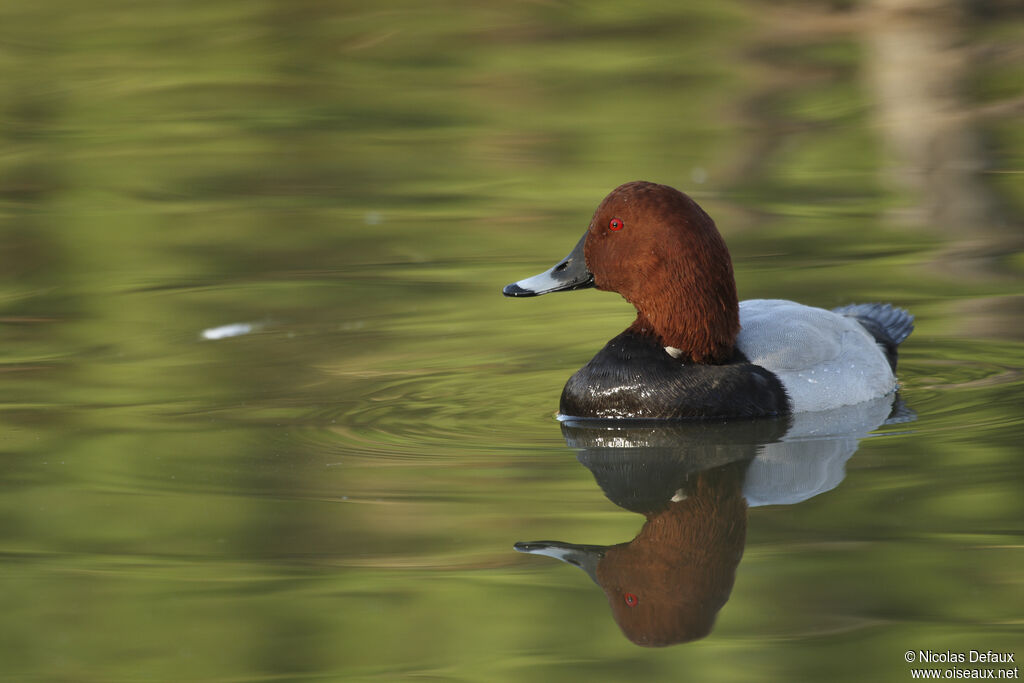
232	330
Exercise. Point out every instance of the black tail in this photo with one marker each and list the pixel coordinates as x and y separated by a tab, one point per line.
886	323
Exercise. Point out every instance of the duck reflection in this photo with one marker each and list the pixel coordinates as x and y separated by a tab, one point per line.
694	482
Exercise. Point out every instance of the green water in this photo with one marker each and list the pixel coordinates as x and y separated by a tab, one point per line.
335	495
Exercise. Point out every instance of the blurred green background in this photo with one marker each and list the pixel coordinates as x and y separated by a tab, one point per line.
335	495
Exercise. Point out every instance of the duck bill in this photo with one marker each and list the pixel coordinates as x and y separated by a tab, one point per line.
568	274
586	557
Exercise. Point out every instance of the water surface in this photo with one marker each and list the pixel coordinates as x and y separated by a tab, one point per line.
334	491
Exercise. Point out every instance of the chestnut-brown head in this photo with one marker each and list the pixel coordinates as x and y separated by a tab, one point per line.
657	248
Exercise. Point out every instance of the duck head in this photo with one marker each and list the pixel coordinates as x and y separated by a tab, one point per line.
668	584
657	248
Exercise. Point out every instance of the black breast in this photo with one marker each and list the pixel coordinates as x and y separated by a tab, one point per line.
633	377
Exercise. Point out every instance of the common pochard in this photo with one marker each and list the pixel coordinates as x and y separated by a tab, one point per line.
694	350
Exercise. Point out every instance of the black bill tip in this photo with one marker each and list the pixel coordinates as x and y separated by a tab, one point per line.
515	290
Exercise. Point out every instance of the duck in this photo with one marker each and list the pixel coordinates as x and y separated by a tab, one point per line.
694	350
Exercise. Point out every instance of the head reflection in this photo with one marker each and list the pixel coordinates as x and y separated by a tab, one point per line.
693	482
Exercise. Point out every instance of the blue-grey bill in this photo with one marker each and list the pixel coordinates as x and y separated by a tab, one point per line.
585	557
568	274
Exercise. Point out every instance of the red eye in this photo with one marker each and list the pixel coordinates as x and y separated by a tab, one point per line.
615	224
631	599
